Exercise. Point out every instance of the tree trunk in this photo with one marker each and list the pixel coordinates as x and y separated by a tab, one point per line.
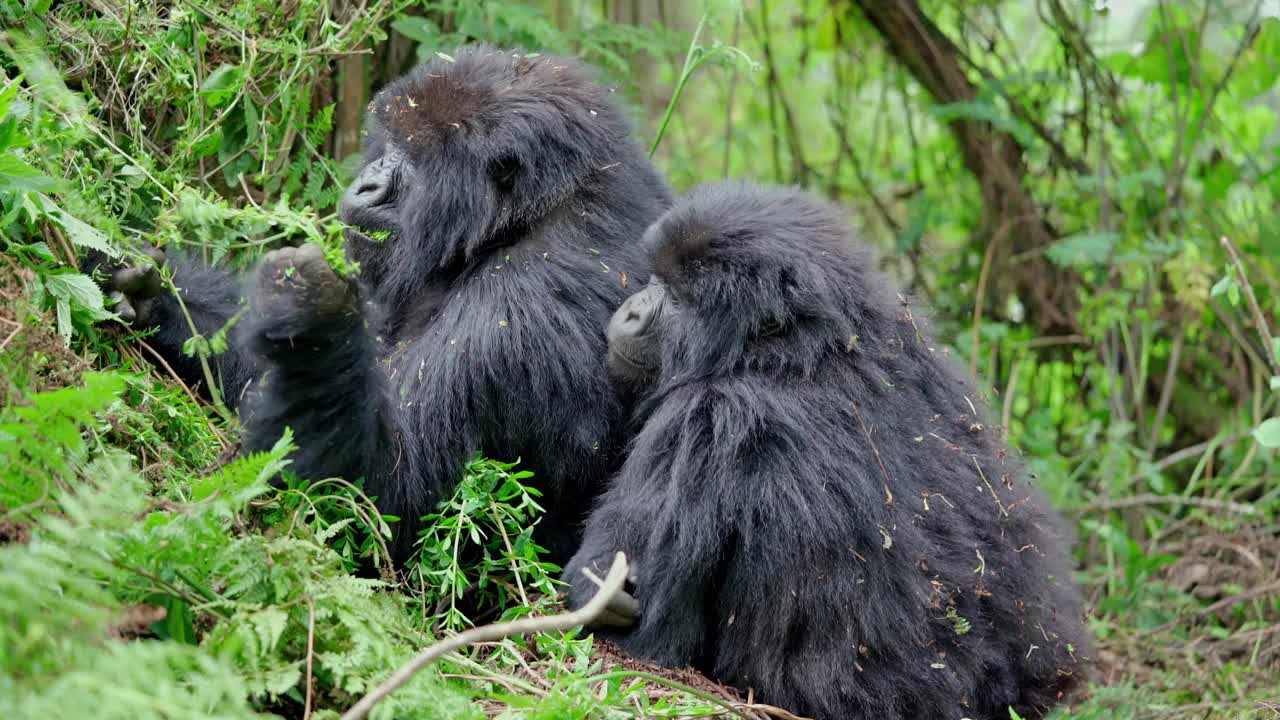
1014	224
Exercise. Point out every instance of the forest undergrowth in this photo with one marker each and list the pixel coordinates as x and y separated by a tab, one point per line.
149	571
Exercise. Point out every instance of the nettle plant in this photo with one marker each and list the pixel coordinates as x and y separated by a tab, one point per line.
477	553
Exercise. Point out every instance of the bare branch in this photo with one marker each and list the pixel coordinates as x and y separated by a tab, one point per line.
497	631
1260	320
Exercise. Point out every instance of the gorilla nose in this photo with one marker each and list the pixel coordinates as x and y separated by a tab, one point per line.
374	187
635	321
636	315
371	189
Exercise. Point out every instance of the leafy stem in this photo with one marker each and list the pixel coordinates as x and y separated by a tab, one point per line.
693	59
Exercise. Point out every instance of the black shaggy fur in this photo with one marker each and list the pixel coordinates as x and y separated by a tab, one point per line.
814	507
518	218
516	201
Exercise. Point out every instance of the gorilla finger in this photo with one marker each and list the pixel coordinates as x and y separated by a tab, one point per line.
309	253
613	619
130	280
275	266
624	605
138	281
123	308
311	262
143	308
151	283
156	254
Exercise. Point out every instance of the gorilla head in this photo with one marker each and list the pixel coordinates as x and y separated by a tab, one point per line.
467	154
739	295
813	508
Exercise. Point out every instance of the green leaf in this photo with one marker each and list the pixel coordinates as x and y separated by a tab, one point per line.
1219	179
64	320
1259	66
222	84
31	55
252	126
1082	250
1226	284
81	233
1268	433
984	112
919	213
75	287
418	29
7	94
17	175
177	624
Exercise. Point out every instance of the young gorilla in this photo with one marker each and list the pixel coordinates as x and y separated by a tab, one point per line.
497	212
812	507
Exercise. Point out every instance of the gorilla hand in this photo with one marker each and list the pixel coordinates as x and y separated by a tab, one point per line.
297	293
621	612
132	289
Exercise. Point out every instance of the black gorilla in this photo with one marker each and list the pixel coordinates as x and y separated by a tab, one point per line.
813	507
496	219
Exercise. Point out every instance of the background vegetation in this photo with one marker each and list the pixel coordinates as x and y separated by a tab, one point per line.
1087	194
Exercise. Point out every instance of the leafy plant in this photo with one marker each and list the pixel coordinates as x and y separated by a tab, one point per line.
480	546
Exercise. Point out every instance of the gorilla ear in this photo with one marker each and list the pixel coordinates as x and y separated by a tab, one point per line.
771	326
681	250
504	170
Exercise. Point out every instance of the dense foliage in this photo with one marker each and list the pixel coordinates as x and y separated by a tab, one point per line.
1088	197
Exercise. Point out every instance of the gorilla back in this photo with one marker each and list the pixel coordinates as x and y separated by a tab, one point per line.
813	506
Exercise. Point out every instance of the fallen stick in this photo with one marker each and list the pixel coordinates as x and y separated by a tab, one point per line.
497	631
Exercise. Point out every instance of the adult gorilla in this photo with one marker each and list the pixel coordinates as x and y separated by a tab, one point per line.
812	506
508	199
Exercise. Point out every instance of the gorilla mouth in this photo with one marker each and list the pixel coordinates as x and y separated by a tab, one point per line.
627	368
627	359
367	235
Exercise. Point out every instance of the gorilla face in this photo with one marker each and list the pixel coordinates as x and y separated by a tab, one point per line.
766	287
371	203
466	155
404	207
635	336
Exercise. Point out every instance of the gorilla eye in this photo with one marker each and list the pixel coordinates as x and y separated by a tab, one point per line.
504	171
771	326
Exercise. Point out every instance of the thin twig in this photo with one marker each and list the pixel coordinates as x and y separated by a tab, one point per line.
979	296
497	631
733	90
515	565
5	343
311	655
1142	500
1259	319
740	709
888	494
1249	594
1166	388
985	481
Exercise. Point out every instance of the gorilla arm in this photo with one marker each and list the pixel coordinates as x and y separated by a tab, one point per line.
663	511
211	297
322	377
